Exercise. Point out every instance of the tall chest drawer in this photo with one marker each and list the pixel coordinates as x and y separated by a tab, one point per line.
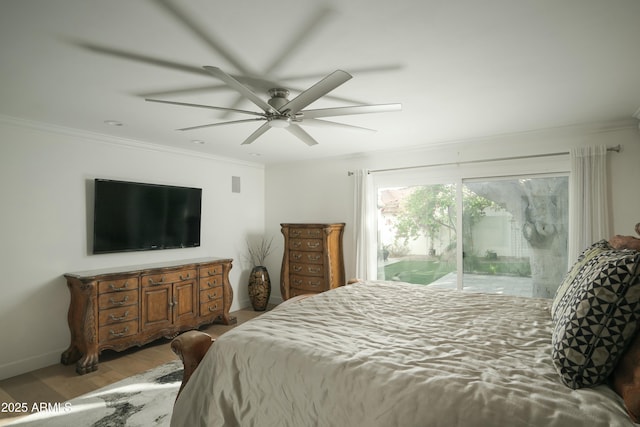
305	233
306	257
306	245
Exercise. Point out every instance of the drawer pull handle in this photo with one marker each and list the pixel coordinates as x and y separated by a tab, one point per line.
295	233
212	296
313	257
123	302
212	272
313	244
119	334
296	244
118	319
154	283
314	283
297	281
213	283
297	257
214	308
314	270
297	268
185	278
113	287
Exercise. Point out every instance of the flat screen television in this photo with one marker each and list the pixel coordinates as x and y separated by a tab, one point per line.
133	216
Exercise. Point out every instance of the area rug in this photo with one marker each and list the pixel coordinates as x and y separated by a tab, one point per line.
142	400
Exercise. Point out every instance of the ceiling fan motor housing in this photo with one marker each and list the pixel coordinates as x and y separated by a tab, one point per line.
278	97
278	100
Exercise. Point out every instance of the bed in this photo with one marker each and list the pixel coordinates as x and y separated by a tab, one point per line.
396	354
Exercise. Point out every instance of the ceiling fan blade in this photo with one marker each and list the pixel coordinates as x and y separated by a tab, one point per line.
306	30
203	35
255	135
186	104
316	91
184	91
142	58
347	111
301	134
352	71
244	91
220	124
327	123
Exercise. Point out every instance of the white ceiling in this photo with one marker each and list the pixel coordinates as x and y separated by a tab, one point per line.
461	68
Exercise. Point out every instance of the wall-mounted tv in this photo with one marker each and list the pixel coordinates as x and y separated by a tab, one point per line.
133	216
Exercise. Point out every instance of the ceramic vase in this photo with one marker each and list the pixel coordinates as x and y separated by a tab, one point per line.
259	288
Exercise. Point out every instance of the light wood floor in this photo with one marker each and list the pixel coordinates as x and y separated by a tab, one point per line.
59	383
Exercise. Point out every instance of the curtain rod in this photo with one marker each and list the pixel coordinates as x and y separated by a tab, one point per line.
617	149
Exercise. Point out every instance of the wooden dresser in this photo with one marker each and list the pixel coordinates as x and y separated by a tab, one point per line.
120	308
313	261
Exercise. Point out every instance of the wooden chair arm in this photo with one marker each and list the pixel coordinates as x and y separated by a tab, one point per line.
191	347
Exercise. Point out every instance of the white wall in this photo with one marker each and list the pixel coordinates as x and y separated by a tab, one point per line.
45	187
321	191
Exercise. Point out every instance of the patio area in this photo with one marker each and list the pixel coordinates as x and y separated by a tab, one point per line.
495	284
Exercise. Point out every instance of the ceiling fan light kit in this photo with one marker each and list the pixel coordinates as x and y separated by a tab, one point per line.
280	112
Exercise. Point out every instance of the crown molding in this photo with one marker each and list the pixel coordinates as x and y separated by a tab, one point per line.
100	138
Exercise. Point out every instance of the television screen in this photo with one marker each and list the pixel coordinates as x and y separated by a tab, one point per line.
130	216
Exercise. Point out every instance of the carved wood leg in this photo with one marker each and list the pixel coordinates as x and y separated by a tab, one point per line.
87	363
70	355
191	348
228	319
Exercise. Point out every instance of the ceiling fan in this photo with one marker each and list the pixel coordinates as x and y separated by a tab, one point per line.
280	112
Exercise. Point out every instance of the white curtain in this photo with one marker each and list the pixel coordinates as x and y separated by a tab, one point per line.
588	200
365	236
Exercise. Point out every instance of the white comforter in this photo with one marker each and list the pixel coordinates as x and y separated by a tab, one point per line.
391	354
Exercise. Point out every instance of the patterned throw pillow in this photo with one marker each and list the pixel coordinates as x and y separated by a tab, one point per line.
568	287
597	317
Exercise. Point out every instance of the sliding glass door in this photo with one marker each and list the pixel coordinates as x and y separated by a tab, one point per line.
517	244
511	236
417	233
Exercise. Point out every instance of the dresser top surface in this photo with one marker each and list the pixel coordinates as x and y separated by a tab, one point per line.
314	225
144	267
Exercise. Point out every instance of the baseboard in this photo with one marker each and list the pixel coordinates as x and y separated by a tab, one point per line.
22	366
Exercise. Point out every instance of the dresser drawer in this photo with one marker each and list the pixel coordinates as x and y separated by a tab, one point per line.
127	284
211	270
306	257
117	299
307	269
118	315
117	331
306	244
210	294
211	308
168	277
310	283
305	233
210	282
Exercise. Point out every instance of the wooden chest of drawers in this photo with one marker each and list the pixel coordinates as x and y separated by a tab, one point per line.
313	261
120	308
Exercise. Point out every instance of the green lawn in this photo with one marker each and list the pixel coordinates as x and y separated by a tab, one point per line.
417	271
427	271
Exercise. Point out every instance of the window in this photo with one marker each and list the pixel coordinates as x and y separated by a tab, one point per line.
510	239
